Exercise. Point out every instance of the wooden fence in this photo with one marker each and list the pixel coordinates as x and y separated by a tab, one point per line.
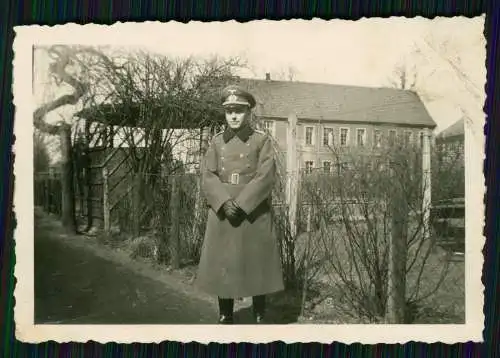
448	218
48	192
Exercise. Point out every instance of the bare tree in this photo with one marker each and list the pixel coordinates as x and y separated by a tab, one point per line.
64	61
411	73
358	211
287	74
405	77
156	106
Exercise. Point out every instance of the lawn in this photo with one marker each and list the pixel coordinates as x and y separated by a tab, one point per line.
436	278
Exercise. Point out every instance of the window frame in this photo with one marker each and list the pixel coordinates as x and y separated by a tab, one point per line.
347	129
375	143
306	168
394	139
421	135
410	138
272	130
329	166
364	137
312	135
331	138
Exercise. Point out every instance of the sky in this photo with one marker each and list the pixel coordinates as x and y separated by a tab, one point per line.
449	62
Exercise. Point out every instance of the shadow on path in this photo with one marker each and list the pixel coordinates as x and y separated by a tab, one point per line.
74	286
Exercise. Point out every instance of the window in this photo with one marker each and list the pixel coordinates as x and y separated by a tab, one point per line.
344	136
392	137
408	138
327	137
377	138
309	166
360	137
421	139
309	135
268	126
327	166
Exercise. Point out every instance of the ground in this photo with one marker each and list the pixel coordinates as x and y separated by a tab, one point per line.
81	279
75	284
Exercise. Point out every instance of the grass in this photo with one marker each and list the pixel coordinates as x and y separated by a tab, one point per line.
329	301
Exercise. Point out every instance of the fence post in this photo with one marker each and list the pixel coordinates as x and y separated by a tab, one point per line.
67	183
426	181
396	300
46	193
136	203
292	173
198	207
174	223
105	200
305	282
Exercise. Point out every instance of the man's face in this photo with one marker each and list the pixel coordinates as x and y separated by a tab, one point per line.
236	116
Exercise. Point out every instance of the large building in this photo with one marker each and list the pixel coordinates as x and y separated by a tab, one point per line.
337	115
450	142
450	165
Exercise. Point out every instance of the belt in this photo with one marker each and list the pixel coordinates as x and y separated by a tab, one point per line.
236	178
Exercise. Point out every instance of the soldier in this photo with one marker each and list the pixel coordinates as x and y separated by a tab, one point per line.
240	255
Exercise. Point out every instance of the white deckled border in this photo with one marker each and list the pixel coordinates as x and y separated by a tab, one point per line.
134	34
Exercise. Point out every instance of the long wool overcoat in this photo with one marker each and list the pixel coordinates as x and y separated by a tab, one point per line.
240	259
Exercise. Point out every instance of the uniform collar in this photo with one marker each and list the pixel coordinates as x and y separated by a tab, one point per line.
244	133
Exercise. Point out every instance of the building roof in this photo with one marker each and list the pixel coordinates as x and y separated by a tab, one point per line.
328	102
455	130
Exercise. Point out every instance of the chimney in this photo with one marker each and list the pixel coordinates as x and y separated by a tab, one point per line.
268	76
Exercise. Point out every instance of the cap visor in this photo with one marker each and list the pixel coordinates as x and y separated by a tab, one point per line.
236	104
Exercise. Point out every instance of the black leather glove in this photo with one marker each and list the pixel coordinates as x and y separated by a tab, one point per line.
239	211
230	209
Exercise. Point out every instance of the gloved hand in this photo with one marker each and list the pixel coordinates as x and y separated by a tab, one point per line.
231	209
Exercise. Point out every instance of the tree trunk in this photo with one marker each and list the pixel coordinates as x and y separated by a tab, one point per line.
174	224
396	304
67	187
88	178
136	204
199	208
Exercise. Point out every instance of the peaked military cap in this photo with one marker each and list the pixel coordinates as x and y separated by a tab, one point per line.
234	95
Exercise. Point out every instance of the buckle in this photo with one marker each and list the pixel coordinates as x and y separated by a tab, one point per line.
235	179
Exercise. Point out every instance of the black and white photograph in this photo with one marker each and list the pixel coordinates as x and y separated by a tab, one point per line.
302	180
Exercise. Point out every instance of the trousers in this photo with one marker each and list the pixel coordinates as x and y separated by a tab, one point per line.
226	305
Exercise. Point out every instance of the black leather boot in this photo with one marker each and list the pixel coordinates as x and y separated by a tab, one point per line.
226	306
259	308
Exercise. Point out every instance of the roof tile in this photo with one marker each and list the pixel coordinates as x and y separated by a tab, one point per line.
318	101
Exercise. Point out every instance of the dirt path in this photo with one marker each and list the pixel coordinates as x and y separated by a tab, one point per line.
75	284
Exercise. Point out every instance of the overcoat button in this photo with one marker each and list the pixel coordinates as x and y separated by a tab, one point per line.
241	155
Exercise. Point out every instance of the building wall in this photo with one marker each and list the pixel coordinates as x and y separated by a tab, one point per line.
449	172
318	152
451	149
